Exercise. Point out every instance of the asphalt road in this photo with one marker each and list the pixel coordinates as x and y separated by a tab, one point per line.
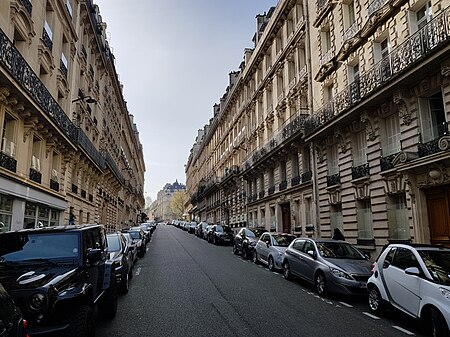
187	287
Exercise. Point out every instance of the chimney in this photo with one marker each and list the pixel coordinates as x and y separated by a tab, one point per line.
247	54
233	78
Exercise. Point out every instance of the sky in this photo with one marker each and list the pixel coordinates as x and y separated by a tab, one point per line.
173	58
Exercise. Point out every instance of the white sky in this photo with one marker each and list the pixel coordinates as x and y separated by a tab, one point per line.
173	58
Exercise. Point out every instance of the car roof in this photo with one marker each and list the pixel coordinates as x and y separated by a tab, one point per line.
57	229
418	246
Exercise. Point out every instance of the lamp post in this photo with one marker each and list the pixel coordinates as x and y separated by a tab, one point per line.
87	99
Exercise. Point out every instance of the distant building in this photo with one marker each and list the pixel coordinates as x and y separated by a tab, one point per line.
160	208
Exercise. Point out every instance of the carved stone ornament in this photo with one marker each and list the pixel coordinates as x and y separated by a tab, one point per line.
445	69
362	191
395	184
404	157
339	137
4	93
369	123
319	153
437	174
403	111
444	143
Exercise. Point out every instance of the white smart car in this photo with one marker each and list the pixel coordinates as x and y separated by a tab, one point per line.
416	280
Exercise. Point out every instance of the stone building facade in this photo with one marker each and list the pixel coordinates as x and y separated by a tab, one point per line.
342	109
70	150
161	209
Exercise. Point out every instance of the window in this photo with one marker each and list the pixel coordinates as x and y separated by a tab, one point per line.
392	129
36	155
308	246
306	162
360	149
308	205
271	177
294	164
333	160
298	244
432	116
8	131
364	216
328	94
40	216
404	258
273	224
349	14
282	171
263	217
398	218
6	206
69	7
261	183
424	15
336	219
325	37
353	73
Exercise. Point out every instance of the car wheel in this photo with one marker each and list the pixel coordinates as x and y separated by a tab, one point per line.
81	322
255	257
438	324
235	250
108	302
320	283
375	300
125	285
271	264
287	271
244	253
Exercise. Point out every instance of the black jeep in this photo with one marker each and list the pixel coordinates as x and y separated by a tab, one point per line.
56	275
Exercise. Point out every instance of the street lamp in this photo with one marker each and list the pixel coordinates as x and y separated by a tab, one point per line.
87	99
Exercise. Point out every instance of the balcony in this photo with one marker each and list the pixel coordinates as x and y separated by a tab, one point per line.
351	31
296	180
360	171
74	189
28	5
386	163
421	44
8	162
333	180
85	143
433	146
261	194
113	167
35	176
326	57
283	185
375	5
54	185
271	190
47	40
306	176
22	73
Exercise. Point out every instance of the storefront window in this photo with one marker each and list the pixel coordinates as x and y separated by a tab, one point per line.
5	213
40	216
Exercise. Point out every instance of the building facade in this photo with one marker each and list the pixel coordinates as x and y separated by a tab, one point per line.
161	209
70	150
337	118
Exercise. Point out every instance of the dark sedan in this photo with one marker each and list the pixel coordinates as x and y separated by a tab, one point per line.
245	241
138	235
220	235
122	255
331	265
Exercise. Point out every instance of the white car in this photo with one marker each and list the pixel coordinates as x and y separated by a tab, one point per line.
270	249
416	280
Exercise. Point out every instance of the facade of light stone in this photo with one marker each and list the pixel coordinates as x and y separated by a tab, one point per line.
70	151
369	152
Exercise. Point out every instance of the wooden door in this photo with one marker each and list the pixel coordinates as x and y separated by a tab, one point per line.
286	215
438	204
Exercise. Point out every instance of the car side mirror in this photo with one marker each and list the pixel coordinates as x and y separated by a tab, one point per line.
311	253
94	255
412	271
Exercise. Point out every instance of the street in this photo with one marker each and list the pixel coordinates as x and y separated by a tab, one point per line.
187	287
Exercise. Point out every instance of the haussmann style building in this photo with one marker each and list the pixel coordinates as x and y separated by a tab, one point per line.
70	150
337	118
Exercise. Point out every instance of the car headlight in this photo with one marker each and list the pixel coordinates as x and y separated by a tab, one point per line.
340	273
445	292
37	301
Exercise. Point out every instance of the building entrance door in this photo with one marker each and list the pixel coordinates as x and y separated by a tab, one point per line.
438	204
286	216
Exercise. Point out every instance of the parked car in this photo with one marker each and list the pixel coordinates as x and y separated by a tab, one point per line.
331	265
56	276
245	241
137	233
121	253
132	245
11	322
191	227
206	232
220	235
414	279
200	228
147	232
270	249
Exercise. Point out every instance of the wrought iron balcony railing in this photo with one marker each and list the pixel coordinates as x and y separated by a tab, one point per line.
306	176
36	176
63	68
296	180
283	185
351	31
8	162
28	5
334	179
360	171
85	143
375	5
422	43
386	163
54	185
261	194
271	190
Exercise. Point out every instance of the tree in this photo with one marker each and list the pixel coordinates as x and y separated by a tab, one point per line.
177	203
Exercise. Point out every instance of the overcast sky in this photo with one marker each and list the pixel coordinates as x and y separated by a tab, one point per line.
173	58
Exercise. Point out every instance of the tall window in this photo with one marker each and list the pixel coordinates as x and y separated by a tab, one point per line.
353	73
392	130
36	155
364	216
432	116
325	36
294	164
263	217
6	205
271	177
333	160
306	160
308	218
349	14
328	93
7	141
360	149
424	15
273	224
336	219
282	171
398	218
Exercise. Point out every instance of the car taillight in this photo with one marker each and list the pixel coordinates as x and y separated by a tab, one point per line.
25	327
373	268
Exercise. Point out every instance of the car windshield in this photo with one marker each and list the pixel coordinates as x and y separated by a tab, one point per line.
135	235
40	246
113	243
219	228
282	240
204	225
438	264
339	250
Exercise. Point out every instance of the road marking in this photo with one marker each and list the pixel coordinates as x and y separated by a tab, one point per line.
346	305
275	273
138	271
370	315
404	330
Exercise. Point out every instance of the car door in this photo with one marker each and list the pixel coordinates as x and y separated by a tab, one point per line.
307	262
262	246
403	289
294	256
239	238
